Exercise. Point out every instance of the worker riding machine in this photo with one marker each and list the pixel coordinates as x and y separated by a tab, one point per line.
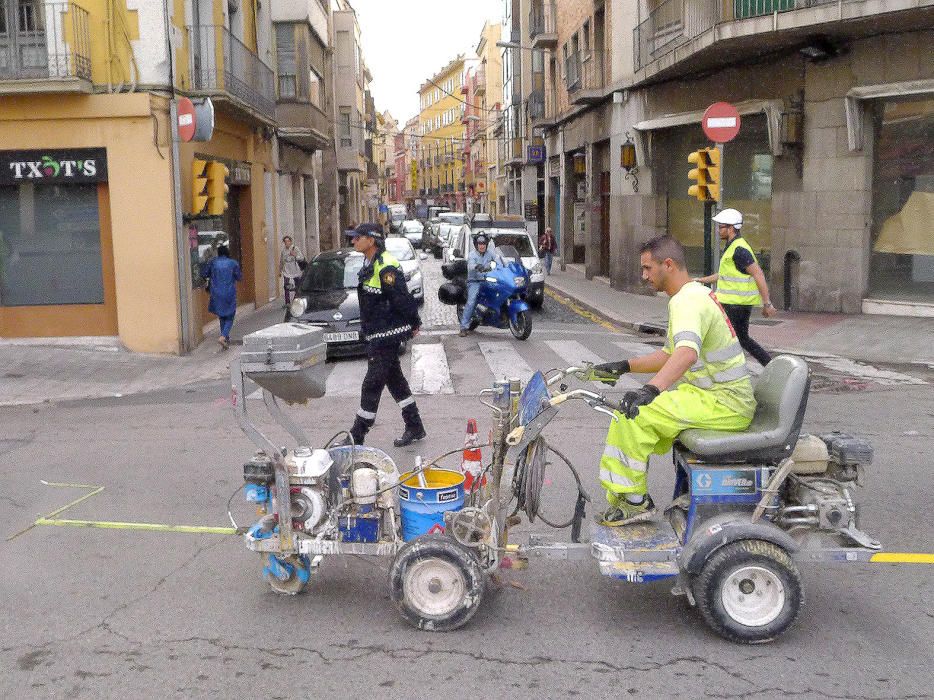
743	516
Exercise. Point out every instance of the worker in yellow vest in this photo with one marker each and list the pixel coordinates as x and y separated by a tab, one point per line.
741	284
701	356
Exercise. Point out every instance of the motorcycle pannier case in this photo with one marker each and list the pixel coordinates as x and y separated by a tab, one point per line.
288	360
452	293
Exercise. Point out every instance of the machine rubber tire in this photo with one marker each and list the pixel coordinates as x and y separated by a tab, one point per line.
436	584
460	314
294	585
732	574
521	328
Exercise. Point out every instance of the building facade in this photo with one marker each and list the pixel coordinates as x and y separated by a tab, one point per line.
441	137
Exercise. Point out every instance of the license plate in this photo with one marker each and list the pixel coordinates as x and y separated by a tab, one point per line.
341	337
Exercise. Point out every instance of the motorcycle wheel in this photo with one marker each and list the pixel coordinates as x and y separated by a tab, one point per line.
521	328
474	322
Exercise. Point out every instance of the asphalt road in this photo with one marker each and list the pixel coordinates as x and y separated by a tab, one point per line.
103	613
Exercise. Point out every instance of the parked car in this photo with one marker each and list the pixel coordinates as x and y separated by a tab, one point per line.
402	250
430	241
453	217
452	235
519	239
412	231
397	213
327	298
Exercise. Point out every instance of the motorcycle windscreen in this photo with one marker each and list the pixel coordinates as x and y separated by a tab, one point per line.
533	399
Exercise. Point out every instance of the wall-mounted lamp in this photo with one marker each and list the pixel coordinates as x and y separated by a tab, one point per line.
627	161
791	127
580	163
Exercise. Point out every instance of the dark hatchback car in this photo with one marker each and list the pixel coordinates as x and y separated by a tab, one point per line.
327	298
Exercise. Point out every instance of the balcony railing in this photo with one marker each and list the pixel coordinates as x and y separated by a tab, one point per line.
675	22
537	104
481	80
222	63
596	73
541	18
49	41
572	72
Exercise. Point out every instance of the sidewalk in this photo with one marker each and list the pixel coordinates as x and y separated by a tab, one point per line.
37	370
887	339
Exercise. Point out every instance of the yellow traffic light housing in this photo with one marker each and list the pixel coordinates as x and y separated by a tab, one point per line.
199	185
217	188
706	174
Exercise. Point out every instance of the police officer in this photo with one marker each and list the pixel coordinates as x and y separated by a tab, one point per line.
388	316
715	391
741	284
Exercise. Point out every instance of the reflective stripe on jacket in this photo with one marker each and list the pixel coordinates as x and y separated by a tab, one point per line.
733	286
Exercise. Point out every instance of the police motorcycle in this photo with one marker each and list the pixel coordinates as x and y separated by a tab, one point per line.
501	302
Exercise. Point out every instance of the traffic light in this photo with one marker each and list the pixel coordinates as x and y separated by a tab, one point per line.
199	185
217	188
706	174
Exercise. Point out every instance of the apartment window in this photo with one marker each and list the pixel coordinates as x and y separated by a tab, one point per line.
344	126
285	60
585	38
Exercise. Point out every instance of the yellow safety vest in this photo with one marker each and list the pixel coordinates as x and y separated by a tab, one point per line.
733	286
696	320
374	285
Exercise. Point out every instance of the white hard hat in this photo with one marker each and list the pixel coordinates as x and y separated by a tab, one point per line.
730	217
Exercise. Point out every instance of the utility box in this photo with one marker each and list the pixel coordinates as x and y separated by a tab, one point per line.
288	360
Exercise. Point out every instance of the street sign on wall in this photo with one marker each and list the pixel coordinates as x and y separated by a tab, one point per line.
721	122
536	154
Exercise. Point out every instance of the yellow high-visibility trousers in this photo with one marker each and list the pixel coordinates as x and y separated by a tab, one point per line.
629	443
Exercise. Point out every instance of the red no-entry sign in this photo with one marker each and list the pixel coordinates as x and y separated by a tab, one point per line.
721	122
186	119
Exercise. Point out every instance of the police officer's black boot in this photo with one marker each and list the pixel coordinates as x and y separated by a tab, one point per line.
359	430
414	430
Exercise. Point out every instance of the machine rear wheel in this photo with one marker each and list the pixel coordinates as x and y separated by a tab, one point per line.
436	584
521	328
749	591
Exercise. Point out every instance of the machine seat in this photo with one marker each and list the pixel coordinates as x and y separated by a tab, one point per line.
781	396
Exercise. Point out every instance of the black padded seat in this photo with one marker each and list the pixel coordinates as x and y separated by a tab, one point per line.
781	396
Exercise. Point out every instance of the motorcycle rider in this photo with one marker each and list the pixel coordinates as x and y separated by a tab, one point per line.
478	264
388	316
703	354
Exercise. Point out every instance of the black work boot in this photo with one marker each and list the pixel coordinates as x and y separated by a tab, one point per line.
414	430
359	430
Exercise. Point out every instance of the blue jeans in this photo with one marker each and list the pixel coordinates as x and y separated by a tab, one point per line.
473	289
548	259
226	325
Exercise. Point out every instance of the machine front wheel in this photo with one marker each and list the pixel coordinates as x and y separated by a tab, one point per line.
436	584
749	591
287	575
521	328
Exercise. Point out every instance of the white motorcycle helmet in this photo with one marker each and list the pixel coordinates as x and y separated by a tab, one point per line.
730	217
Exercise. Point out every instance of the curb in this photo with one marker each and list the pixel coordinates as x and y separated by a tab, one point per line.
563	297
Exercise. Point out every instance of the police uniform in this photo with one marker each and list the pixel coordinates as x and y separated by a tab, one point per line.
388	316
738	293
715	393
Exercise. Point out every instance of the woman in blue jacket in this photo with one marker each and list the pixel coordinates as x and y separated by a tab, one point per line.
223	273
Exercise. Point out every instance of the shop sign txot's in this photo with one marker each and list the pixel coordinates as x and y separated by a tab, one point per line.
77	165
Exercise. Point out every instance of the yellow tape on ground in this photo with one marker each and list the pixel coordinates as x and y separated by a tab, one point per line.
902	558
580	311
96	490
154	527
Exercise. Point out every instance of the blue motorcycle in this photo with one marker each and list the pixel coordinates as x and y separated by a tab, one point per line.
501	302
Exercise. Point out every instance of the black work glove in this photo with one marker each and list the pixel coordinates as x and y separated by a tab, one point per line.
610	372
479	268
643	396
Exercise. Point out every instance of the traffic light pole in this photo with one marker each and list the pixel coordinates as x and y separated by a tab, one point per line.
710	245
715	248
182	245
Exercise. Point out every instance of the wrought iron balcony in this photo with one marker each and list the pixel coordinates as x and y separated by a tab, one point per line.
222	65
45	47
595	78
542	24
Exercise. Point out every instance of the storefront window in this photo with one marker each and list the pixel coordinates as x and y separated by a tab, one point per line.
747	186
50	245
902	263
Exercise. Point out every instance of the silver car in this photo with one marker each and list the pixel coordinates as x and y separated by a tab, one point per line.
401	249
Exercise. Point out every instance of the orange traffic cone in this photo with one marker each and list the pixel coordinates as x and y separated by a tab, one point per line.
472	463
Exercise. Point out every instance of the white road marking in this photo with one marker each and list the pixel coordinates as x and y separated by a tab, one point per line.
859	370
574	353
504	362
430	371
636	348
346	377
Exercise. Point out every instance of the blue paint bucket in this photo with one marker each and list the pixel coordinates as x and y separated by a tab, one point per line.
423	507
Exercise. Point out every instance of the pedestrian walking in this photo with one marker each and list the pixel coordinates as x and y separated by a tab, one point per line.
741	284
291	264
700	380
547	247
222	274
478	264
388	317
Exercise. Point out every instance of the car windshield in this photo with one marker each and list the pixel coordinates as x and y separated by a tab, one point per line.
400	248
519	241
457	219
327	274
